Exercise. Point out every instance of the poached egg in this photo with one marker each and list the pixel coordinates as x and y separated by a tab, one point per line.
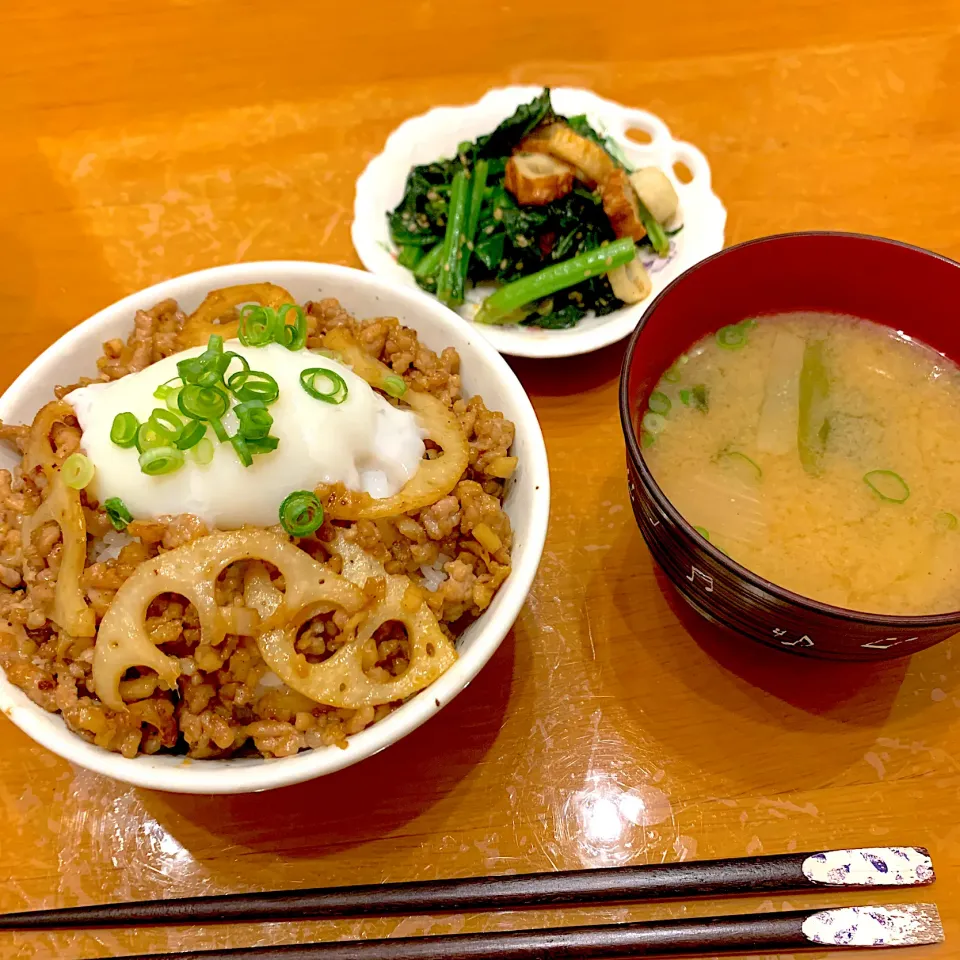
364	443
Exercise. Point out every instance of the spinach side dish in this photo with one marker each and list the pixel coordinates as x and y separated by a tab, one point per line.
545	208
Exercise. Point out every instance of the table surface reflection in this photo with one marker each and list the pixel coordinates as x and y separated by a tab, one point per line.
611	727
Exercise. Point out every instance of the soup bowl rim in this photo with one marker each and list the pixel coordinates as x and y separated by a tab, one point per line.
638	462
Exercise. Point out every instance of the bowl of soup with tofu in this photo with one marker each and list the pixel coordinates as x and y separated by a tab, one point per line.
791	408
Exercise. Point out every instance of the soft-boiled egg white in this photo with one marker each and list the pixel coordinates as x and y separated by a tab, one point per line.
364	443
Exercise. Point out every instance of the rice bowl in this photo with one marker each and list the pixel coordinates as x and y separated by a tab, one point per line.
525	503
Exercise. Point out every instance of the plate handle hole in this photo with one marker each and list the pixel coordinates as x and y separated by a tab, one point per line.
682	172
639	135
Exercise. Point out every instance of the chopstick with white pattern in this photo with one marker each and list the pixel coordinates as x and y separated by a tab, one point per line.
858	869
902	925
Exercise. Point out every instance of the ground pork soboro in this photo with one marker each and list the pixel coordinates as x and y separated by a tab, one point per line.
226	701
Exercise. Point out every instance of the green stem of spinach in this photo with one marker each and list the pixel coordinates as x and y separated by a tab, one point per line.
478	186
409	256
502	306
655	232
430	264
447	280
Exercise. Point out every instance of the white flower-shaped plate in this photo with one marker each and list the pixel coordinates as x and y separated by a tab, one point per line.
437	133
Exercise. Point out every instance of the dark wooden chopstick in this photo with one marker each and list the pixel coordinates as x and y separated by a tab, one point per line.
668	881
748	933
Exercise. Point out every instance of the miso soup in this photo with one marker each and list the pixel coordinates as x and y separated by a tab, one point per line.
822	452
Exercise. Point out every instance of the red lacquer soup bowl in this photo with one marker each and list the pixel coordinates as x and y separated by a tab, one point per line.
904	287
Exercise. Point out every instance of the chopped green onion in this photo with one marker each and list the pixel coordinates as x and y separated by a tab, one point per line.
191	369
673	374
263	444
229	357
117	513
205	370
731	337
77	471
191	434
220	430
213	361
160	460
704	532
292	336
202	369
257	325
654	423
395	386
337	391
202	452
124	430
742	457
167	421
747	324
659	403
946	521
887	485
243	451
646	439
301	513
253	419
203	403
697	396
210	377
152	434
253	385
172	399
163	391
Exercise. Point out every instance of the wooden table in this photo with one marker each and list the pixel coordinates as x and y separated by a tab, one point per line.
145	140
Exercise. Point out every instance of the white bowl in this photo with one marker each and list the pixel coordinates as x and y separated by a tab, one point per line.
526	502
436	134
